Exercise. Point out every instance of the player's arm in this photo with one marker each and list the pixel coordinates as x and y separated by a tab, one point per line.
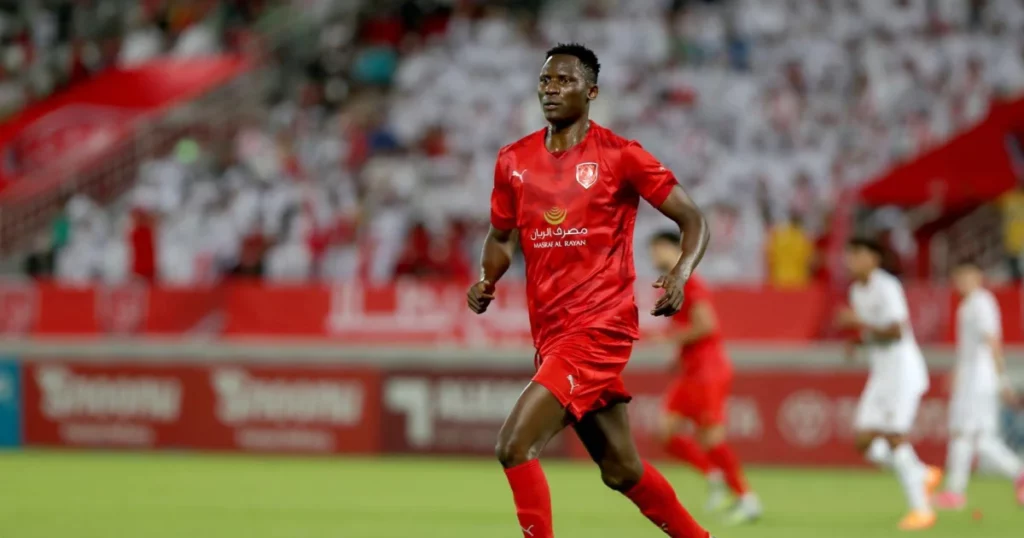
693	229
703	322
659	187
500	243
496	258
889	325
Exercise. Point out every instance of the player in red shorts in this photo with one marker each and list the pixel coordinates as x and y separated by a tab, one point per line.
568	195
692	428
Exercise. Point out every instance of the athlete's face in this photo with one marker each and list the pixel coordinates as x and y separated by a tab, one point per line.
664	255
966	279
860	261
563	89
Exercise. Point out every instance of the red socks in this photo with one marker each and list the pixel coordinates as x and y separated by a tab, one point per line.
533	499
657	501
686	449
725	459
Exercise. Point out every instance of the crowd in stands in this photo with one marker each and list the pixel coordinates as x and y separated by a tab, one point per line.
376	158
48	45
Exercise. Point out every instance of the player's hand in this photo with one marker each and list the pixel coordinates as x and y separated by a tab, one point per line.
672	300
479	296
846	319
850	351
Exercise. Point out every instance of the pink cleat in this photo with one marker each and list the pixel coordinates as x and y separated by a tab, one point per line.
947	500
1019	485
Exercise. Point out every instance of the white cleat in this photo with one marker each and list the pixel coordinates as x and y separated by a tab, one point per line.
718	494
746	510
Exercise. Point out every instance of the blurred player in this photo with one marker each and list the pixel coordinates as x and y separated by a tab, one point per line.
695	402
978	383
898	378
569	192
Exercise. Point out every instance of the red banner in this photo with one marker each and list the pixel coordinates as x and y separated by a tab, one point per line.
285	409
80	124
450	412
402	313
787	417
123	405
774	417
419	313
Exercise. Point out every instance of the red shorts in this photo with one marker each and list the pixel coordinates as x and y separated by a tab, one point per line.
700	400
584	370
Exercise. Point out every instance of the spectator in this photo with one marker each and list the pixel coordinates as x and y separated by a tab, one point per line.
790	254
1011	206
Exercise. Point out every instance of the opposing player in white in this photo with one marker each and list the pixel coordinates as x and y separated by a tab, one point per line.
979	382
897	381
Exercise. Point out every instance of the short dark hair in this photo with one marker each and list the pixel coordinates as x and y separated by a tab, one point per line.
967	263
591	67
866	243
666	236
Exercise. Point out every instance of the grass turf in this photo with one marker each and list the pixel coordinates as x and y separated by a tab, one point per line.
115	495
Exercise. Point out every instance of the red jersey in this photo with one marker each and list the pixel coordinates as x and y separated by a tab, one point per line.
575	212
705	357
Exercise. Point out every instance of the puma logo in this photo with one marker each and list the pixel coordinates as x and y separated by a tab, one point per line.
572	384
528	531
520	175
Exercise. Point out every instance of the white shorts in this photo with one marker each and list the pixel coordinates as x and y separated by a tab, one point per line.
974	412
884	410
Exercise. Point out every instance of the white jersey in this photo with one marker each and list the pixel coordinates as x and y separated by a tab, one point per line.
896	366
977	320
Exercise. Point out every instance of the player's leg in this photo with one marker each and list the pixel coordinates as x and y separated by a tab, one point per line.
959	459
677	435
919	481
882	420
993	454
748	505
963	427
535	419
607	438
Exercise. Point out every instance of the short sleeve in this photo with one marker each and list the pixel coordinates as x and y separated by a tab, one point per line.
651	180
894	305
503	209
989	322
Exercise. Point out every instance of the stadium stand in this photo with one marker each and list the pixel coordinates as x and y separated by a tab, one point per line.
373	160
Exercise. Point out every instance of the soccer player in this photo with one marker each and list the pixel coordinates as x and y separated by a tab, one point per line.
898	378
979	381
695	402
569	192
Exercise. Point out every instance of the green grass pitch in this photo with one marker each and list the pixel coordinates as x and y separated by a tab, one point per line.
114	495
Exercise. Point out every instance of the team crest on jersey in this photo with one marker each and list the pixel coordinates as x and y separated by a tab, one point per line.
586	174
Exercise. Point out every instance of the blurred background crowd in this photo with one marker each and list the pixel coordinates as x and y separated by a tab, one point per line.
373	155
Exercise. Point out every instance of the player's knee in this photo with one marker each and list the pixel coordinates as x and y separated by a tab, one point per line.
512	451
862	443
712	436
621	475
895	440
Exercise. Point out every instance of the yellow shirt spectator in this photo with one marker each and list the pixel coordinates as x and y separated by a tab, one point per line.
1012	206
790	253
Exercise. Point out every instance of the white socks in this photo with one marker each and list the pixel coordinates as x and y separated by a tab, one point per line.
958	464
995	455
910	472
879	453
